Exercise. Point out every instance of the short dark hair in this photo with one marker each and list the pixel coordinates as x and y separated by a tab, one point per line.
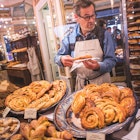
108	28
82	4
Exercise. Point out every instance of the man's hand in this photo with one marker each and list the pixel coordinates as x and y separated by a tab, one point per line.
67	60
91	64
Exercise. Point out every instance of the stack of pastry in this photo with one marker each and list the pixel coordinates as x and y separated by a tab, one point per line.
40	129
99	106
38	95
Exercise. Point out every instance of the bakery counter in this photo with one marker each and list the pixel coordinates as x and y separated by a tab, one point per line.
19	75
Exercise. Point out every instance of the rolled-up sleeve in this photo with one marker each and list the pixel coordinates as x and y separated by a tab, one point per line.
63	50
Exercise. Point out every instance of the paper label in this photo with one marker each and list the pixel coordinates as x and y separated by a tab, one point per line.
95	136
5	112
30	113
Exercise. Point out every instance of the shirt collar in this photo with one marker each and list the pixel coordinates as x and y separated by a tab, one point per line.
80	34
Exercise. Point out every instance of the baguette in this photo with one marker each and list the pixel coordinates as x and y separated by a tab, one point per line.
83	57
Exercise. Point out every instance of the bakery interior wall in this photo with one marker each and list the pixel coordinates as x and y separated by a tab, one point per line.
17	30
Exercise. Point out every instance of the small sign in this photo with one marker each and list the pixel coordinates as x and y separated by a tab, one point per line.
5	112
30	113
95	136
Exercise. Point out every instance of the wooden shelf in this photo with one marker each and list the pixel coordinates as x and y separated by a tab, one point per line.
19	50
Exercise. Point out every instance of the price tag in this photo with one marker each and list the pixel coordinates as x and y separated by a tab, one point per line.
30	113
95	136
5	112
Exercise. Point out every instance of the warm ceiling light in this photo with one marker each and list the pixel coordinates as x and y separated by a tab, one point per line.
1	5
112	3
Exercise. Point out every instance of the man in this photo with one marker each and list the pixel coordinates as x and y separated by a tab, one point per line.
108	36
117	37
86	32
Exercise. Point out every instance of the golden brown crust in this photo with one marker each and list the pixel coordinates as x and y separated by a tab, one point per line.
82	57
129	104
113	112
125	92
41	129
39	95
17	137
78	102
92	117
117	104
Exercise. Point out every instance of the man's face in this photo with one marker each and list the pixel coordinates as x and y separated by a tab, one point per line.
86	19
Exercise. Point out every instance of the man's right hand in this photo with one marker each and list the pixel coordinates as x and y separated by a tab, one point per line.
67	60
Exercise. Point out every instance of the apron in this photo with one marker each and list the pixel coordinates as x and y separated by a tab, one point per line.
85	75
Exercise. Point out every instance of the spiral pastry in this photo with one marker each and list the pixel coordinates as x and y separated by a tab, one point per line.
93	96
78	102
113	112
92	117
109	95
26	91
19	103
125	92
91	88
40	87
129	104
105	87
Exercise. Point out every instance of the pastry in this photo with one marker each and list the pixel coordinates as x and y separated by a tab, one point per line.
82	57
78	102
134	28
125	92
107	98
40	87
113	112
129	104
91	88
133	41
92	118
110	95
138	20
17	137
19	103
42	129
39	95
94	96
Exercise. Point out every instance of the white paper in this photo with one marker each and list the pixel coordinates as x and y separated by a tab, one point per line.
79	63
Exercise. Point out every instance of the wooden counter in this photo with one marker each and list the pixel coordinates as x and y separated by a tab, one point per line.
19	76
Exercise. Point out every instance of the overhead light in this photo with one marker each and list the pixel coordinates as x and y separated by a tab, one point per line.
1	5
112	3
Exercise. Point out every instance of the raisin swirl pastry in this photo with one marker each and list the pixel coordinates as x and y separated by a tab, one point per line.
129	104
92	117
105	87
93	96
113	112
125	92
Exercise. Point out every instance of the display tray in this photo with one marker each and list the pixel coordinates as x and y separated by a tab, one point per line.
8	128
65	119
42	110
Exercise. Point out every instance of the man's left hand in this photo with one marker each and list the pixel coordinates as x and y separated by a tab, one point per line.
91	64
